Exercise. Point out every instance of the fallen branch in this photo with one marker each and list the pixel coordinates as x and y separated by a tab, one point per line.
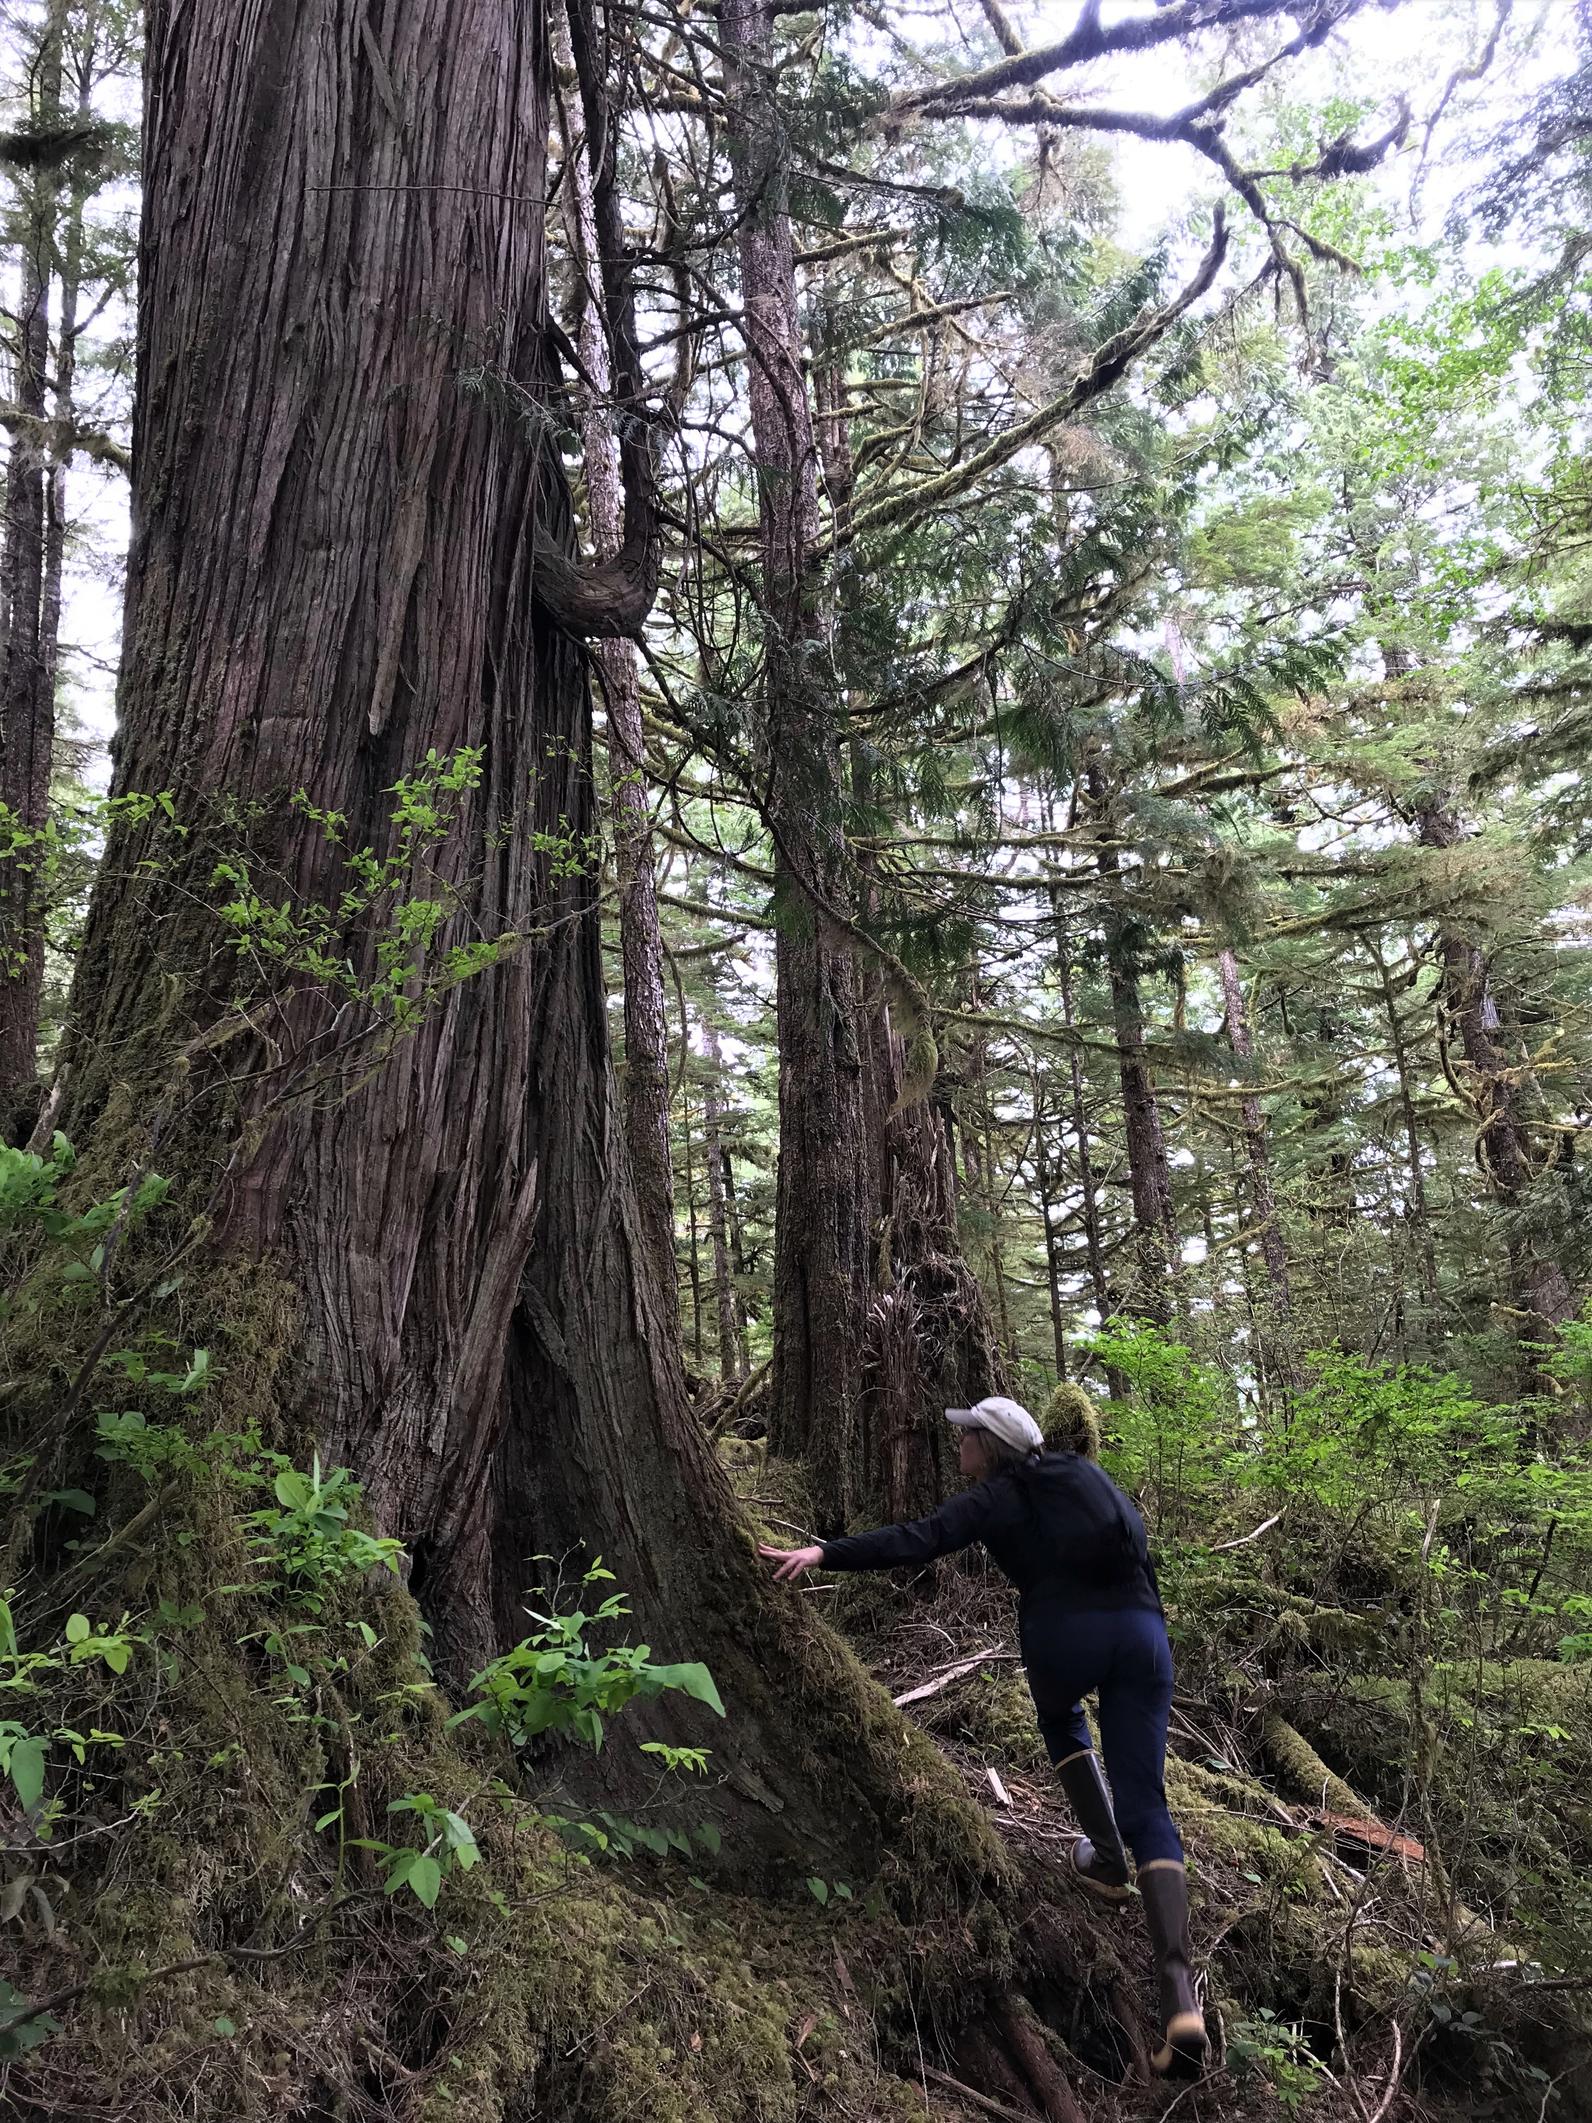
1299	1765
1244	1539
748	1386
958	1672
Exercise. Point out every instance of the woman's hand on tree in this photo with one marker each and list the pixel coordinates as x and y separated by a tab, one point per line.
791	1563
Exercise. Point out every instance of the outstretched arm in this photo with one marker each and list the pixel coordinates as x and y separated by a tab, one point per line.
957	1523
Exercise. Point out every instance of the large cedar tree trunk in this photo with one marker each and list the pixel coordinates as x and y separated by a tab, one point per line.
331	575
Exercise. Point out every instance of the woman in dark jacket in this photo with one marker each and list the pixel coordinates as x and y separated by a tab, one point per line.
1089	1621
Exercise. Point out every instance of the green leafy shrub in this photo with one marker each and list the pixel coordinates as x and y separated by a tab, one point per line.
556	1680
450	1847
309	1544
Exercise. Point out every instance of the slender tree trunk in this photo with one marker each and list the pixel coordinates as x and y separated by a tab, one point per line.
1087	1188
1259	1324
1263	1200
27	689
431	1251
1417	1218
1047	1204
865	1207
1094	1245
738	1261
1332	1203
1277	1352
718	1224
1540	1293
930	1343
617	663
693	1255
821	1263
55	502
1149	1173
992	1212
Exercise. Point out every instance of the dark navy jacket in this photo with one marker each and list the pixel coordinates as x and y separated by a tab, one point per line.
1058	1526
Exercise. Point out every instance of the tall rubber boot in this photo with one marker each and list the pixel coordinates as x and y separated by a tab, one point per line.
1098	1858
1185	2045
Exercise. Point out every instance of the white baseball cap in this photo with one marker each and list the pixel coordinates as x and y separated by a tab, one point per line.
1007	1420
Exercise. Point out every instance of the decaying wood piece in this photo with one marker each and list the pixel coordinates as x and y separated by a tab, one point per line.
958	1672
1373	1835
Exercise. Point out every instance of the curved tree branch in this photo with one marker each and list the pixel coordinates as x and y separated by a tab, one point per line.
1105	367
1090	39
603	599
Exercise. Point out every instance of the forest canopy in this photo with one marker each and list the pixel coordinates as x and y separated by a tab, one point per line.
721	725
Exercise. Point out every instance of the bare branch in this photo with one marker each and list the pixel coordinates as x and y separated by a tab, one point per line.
1089	39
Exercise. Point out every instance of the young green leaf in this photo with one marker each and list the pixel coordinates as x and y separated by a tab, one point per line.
425	1877
28	1757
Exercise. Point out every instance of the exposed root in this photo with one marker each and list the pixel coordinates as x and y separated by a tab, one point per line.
1135	2031
1024	2039
986	2064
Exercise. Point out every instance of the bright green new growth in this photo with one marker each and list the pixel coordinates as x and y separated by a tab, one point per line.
400	901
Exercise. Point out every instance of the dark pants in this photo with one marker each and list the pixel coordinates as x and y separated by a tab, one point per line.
1123	1655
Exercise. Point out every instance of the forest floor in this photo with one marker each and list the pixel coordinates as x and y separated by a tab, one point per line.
228	1954
1341	1972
